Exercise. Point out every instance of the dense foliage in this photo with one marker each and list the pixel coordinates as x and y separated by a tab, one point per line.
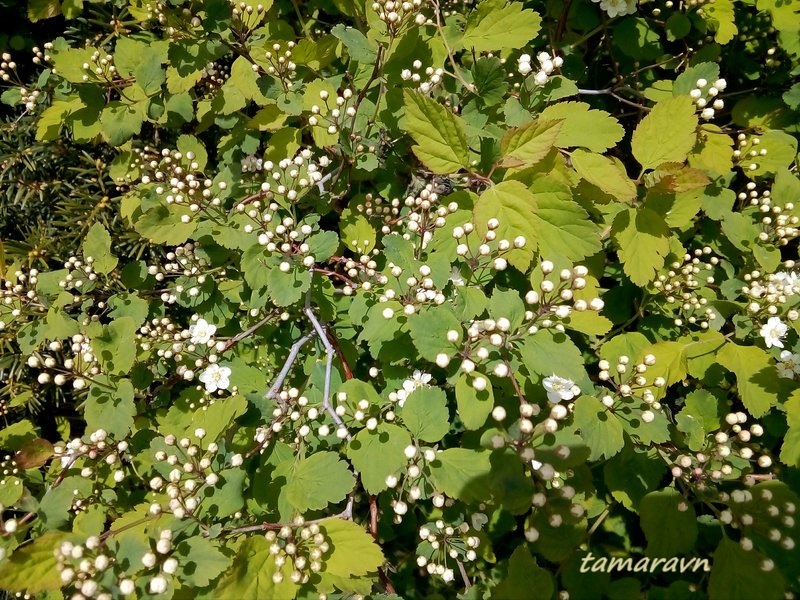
334	299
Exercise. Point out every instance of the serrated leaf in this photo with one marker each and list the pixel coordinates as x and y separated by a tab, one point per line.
353	551
33	568
378	454
458	472
600	428
501	28
110	406
525	579
97	245
317	481
527	145
756	378
666	134
473	405
115	347
287	288
429	329
593	129
425	414
669	523
643	240
250	577
736	573
441	140
201	561
513	205
606	173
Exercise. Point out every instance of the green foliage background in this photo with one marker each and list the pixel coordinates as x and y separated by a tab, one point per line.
341	299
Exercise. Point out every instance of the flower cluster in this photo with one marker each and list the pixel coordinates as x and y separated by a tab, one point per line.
303	547
747	154
286	182
683	289
213	76
398	13
101	68
778	225
82	568
442	545
547	64
80	368
618	8
759	513
706	98
413	483
632	384
94	456
186	273
434	77
279	64
337	115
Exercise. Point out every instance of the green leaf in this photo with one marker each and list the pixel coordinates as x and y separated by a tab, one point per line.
666	134
513	205
358	46
33	568
459	473
547	352
353	551
721	17
357	233
110	406
250	577
490	80
429	329
495	26
582	126
201	561
441	140
162	225
669	523
97	246
600	429
790	450
115	347
606	173
643	240
736	573
425	414
378	454
215	418
525	579
630	475
473	405
527	145
317	481
562	226
119	122
756	378
43	9
287	288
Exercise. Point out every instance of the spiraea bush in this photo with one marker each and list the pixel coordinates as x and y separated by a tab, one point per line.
421	299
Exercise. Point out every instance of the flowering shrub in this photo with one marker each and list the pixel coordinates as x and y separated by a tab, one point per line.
368	302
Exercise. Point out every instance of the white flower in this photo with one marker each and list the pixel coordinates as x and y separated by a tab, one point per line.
559	388
789	280
789	365
418	379
216	378
772	331
202	331
456	277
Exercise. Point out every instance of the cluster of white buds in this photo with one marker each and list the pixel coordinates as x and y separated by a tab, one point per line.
213	76
443	543
288	180
279	64
788	365
335	114
433	77
252	164
98	458
747	153
9	476
40	56
477	251
243	10
721	458
7	67
417	380
413	292
185	271
82	569
398	13
778	225
519	434
706	97
413	484
547	64
303	546
100	68
177	178
631	386
189	471
555	507
618	8
81	366
159	563
757	512
295	418
683	288
80	274
773	294
17	295
29	98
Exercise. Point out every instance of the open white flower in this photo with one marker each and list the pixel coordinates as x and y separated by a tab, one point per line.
772	331
202	331
789	365
418	379
560	388
216	378
789	280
